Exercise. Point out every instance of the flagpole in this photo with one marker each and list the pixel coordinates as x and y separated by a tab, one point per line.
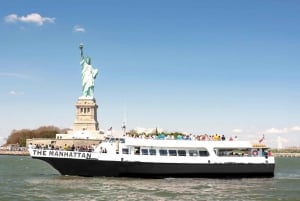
110	129
124	128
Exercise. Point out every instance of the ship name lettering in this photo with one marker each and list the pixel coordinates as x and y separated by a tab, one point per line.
63	154
39	153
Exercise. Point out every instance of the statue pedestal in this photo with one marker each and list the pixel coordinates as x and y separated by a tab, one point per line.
86	125
86	115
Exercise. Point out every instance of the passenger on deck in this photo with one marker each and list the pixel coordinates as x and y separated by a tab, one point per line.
216	137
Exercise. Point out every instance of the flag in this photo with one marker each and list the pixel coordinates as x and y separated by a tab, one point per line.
110	129
123	125
262	139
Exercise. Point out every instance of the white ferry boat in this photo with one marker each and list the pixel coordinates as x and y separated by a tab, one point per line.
156	158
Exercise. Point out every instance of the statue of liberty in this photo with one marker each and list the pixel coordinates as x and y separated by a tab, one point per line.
89	74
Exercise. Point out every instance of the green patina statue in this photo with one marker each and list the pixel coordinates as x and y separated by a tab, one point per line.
89	74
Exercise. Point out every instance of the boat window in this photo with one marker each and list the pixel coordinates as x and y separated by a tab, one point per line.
181	153
193	153
203	153
122	140
172	153
125	151
163	152
225	153
144	151
152	151
137	150
233	152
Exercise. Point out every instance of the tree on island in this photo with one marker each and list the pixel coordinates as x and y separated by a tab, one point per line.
20	136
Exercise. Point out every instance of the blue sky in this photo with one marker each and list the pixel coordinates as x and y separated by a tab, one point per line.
227	67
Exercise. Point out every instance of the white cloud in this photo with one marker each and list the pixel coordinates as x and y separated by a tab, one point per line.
276	130
11	18
237	130
295	128
15	75
78	28
16	93
282	130
35	18
148	130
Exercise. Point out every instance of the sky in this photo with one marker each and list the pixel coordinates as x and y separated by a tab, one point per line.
201	67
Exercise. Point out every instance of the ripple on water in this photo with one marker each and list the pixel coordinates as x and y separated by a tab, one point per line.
25	179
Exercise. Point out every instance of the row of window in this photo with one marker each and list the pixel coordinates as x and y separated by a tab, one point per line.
84	110
167	152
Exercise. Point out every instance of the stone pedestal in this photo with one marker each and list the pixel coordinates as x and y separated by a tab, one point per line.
86	115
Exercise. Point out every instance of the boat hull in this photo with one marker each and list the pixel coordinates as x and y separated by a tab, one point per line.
91	168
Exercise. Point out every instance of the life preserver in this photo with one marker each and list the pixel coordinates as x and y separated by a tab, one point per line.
254	153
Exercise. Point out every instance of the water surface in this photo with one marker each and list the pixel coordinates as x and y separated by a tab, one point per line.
23	178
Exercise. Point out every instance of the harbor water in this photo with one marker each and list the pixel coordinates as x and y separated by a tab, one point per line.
24	178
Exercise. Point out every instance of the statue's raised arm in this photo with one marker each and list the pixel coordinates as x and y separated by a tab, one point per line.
81	50
89	74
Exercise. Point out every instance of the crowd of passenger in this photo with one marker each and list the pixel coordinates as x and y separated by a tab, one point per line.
162	136
203	137
85	148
